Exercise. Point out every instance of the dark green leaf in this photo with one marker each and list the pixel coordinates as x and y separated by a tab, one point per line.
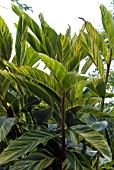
35	160
25	144
5	126
78	160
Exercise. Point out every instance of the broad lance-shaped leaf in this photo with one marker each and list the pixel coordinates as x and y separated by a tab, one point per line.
21	37
73	39
73	78
4	85
36	160
94	138
66	49
37	76
86	66
25	144
66	164
36	44
52	39
30	57
78	53
94	112
56	68
95	85
5	41
39	42
34	88
75	91
108	24
81	101
78	160
98	40
93	52
68	34
6	124
31	23
42	115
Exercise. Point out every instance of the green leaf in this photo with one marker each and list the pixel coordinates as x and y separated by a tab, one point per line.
86	66
78	160
78	53
93	112
42	115
36	44
30	57
5	41
68	33
71	136
35	160
30	22
95	85
34	88
73	78
75	91
6	124
4	85
52	39
74	38
81	101
98	40
21	38
104	164
66	49
66	165
92	50
25	144
109	95
94	138
37	76
56	68
108	24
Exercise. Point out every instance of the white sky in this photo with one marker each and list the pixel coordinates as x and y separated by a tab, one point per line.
58	13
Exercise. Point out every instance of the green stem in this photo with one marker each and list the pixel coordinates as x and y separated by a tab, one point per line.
63	125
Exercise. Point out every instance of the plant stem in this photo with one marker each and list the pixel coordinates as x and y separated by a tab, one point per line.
97	162
63	125
103	100
102	104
